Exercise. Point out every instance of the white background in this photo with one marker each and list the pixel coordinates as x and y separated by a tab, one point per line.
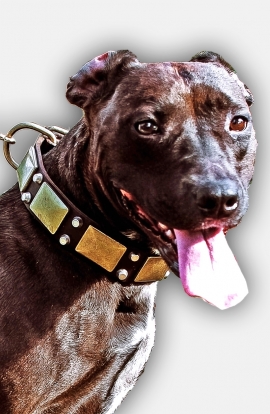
204	360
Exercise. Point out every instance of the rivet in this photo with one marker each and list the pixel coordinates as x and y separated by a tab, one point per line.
26	197
134	257
38	178
64	239
167	274
77	222
122	274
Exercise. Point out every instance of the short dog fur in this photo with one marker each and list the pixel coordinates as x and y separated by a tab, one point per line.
72	339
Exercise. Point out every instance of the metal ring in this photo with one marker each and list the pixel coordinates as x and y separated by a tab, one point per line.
29	125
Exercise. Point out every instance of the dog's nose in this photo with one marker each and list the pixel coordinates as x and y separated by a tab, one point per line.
219	199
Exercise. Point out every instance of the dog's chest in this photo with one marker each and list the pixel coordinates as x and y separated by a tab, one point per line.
93	352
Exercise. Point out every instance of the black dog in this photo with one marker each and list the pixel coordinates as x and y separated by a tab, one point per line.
161	146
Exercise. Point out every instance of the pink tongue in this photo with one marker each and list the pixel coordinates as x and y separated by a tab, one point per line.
209	270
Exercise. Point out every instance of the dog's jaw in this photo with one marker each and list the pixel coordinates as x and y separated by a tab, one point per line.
206	264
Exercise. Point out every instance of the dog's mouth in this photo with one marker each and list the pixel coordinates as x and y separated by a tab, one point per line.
161	233
206	264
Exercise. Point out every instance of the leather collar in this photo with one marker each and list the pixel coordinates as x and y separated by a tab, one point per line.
74	230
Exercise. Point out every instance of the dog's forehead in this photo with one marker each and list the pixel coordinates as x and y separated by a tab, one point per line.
170	81
152	81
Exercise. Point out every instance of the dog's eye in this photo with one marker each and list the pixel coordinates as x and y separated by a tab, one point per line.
238	123
146	127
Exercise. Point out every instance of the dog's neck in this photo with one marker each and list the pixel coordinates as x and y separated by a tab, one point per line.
72	155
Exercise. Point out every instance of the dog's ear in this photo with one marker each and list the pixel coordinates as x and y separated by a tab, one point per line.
95	74
206	57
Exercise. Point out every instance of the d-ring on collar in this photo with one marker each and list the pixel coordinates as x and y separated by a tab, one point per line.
73	229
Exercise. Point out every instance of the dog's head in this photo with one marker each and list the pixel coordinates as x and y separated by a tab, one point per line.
172	145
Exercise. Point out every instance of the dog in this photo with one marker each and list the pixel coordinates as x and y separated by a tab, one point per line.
160	163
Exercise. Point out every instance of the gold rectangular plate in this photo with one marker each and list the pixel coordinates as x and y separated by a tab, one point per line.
49	208
154	269
27	168
100	248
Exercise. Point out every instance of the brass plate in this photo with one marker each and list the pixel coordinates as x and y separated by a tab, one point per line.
49	208
100	248
153	270
27	168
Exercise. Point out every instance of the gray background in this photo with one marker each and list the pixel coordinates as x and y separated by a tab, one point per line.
204	360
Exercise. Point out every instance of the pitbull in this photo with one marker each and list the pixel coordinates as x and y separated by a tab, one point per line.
161	162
